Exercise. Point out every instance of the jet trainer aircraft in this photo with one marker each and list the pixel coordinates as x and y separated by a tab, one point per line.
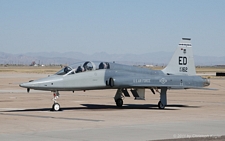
179	74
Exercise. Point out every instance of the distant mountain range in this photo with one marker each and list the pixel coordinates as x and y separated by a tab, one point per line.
154	58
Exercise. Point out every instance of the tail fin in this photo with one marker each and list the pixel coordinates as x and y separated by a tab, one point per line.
182	62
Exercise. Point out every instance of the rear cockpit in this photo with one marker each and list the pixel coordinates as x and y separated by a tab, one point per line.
83	67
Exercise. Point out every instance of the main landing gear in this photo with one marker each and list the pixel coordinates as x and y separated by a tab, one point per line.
163	99
119	98
161	104
55	106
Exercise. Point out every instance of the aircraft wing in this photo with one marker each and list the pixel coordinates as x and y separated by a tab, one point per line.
168	86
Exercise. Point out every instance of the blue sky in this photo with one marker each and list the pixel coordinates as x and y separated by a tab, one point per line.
112	26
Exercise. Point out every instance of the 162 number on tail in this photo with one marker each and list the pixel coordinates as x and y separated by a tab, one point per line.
183	69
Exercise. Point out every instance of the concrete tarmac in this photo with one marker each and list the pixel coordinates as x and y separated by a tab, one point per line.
93	116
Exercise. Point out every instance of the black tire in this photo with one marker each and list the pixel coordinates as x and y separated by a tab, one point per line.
55	107
160	105
119	102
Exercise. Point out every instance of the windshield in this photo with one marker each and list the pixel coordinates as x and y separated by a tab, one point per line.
64	70
82	67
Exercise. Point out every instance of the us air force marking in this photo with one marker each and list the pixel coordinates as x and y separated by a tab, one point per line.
141	81
163	80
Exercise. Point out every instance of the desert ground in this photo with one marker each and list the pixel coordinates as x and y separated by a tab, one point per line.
93	115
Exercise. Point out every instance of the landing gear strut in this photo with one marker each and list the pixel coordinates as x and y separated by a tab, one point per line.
55	106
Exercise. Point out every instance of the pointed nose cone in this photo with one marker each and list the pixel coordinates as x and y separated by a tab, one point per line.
25	85
42	84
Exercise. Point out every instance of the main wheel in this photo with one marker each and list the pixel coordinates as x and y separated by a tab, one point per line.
160	105
119	102
56	107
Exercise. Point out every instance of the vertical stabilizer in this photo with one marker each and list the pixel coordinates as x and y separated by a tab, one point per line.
182	62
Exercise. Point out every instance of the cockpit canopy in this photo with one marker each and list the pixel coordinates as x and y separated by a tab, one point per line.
83	67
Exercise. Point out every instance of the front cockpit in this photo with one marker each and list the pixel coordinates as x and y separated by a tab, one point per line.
83	67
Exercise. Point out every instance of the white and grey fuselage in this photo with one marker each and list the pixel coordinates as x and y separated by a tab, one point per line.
92	76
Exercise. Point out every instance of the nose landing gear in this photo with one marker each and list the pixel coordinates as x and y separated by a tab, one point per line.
55	106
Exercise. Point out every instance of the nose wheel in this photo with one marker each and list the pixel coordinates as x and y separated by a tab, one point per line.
55	106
